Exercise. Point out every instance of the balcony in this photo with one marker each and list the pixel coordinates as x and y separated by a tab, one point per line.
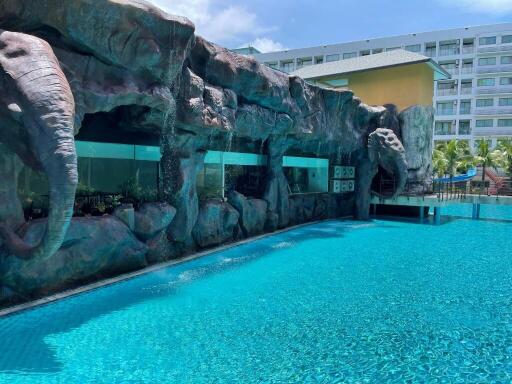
465	131
493	90
495	68
466	70
492	111
492	131
448	51
495	48
452	71
446	111
444	132
466	90
468	50
446	92
465	111
430	52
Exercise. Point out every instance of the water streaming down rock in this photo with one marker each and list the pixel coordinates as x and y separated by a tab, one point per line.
197	96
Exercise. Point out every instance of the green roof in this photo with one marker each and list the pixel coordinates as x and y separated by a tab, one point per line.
382	60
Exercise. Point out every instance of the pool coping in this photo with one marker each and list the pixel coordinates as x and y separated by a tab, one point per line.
152	268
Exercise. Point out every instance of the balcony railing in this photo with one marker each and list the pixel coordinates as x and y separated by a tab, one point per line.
444	132
493	90
496	48
464	130
495	68
466	70
452	71
505	110
466	90
445	112
465	111
449	51
446	92
430	52
492	131
468	50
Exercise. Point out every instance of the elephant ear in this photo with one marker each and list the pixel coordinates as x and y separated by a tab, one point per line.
15	111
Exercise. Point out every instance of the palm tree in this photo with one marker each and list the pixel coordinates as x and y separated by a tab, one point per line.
503	156
485	157
453	156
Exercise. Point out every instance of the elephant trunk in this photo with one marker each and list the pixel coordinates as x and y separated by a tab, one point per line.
47	111
61	170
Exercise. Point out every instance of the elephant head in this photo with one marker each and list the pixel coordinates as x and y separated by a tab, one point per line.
36	122
386	150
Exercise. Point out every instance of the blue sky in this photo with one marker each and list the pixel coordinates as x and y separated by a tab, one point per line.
278	24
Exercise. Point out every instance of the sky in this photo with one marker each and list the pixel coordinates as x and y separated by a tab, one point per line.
271	25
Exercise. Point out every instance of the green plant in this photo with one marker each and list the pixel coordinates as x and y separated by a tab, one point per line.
84	190
503	156
451	157
131	190
486	158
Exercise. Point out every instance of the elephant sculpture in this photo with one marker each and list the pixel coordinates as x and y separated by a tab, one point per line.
37	112
386	150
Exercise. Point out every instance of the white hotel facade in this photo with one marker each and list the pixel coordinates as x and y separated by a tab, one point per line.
476	103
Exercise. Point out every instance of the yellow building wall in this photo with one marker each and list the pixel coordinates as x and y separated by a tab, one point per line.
403	86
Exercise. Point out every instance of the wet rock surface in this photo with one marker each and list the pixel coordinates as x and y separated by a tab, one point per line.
94	247
217	223
253	213
152	218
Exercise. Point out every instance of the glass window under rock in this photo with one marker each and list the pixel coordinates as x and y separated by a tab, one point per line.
306	175
108	167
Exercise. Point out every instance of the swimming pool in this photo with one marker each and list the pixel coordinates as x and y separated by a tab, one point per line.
335	302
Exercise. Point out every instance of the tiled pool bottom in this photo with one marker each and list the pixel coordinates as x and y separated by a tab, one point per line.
336	302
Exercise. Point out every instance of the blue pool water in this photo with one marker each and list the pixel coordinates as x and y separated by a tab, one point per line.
336	302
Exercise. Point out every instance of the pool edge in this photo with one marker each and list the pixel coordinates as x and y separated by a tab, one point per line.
130	275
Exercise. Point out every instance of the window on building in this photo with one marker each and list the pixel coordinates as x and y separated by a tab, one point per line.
349	55
392	49
272	65
449	47
334	57
287	66
484	123
465	107
366	52
505	101
505	80
378	50
430	49
319	59
487	61
413	48
504	122
506	39
464	127
506	60
304	62
487	40
482	103
487	82
446	107
444	128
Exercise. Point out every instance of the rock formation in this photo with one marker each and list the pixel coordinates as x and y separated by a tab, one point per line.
129	58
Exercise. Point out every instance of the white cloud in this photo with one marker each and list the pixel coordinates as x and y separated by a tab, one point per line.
485	6
264	44
218	22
